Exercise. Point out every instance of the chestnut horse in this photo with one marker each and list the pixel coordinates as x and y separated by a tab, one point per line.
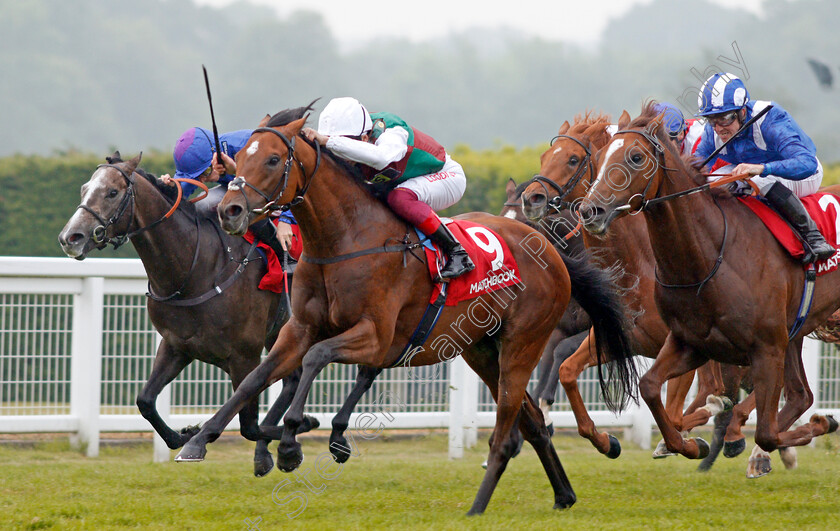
566	173
574	325
725	288
185	256
358	298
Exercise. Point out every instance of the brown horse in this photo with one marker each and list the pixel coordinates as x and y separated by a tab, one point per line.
356	302
185	256
725	288
566	173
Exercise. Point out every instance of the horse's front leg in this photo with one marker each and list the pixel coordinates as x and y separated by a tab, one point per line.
570	370
675	359
355	345
339	446
284	358
168	364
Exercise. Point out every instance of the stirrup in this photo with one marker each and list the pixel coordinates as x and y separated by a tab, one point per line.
457	264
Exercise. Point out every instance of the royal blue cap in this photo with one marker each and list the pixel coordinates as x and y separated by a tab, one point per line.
193	153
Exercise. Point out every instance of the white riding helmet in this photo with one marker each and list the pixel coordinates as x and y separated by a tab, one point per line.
344	117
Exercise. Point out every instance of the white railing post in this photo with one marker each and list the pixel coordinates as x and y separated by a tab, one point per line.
457	395
811	352
163	404
470	420
86	363
640	432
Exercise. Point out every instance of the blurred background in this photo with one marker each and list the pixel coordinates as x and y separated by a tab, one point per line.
81	79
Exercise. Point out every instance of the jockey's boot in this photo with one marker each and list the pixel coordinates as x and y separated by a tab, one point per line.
265	231
458	261
792	209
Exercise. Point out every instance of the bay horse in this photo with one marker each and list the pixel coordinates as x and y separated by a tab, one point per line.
359	296
574	325
724	286
567	170
186	256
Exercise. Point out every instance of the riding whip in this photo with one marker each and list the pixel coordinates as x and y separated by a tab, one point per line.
212	116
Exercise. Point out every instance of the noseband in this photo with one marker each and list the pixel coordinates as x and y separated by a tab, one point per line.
557	202
239	182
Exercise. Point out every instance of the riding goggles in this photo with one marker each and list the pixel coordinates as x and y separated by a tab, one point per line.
723	119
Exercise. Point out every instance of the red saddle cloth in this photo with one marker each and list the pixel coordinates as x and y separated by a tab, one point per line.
495	266
824	209
275	279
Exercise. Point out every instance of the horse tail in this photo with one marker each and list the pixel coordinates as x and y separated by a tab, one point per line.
598	293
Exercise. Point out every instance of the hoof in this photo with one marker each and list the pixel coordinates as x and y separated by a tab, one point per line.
661	451
727	404
615	448
191	454
263	465
308	424
340	449
289	459
758	467
832	423
702	448
550	429
565	504
734	448
484	464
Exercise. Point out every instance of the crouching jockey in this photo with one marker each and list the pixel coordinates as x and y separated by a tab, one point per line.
417	171
196	158
774	151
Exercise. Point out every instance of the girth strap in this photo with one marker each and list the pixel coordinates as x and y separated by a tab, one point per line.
424	328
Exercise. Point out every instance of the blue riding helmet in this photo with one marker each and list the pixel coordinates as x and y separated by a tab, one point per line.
722	92
674	121
193	153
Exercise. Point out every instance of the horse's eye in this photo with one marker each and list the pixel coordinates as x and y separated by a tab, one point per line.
573	161
636	158
274	160
112	193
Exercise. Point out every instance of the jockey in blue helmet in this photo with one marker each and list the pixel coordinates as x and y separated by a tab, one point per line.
774	152
195	158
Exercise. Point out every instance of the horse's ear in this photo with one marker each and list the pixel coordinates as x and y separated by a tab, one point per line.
264	121
654	125
597	134
564	128
624	119
133	163
511	187
294	127
115	158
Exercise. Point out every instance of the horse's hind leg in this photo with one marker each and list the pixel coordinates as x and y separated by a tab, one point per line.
168	364
561	353
547	375
507	382
569	372
339	446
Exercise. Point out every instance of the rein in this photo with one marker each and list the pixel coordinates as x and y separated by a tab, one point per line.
239	182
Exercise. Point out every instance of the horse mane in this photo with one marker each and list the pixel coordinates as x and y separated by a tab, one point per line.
584	121
287	116
170	193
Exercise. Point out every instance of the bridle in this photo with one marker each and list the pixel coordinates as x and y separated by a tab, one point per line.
557	202
238	183
99	233
646	203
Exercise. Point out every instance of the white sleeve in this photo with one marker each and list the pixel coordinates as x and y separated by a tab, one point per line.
391	146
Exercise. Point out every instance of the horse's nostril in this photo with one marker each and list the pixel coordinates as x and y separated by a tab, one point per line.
75	237
233	211
537	200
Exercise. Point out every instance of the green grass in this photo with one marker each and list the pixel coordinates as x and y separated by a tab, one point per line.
410	484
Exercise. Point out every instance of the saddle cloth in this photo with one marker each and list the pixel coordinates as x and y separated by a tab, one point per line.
823	208
495	266
275	279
